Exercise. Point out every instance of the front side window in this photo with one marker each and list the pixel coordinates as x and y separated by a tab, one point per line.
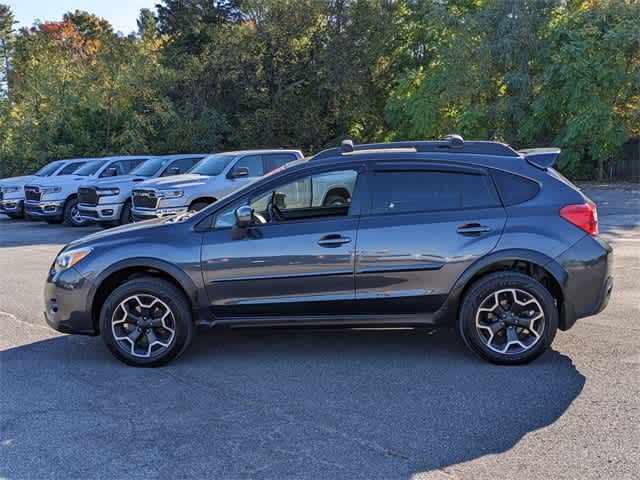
253	163
148	168
315	196
430	191
178	167
90	168
69	169
213	164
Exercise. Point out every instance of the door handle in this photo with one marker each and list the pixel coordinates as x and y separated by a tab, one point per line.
473	229
333	240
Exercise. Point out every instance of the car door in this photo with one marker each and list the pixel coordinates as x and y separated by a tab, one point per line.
298	264
425	224
253	163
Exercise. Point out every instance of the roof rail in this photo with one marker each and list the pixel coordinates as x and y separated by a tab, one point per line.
450	143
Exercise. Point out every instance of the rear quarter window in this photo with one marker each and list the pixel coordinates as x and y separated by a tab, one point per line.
514	189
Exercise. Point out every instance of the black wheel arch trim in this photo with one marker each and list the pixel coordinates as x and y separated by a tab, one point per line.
449	309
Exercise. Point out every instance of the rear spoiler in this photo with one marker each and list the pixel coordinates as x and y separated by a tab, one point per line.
542	158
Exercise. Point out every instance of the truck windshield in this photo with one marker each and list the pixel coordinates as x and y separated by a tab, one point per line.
89	168
148	168
213	164
48	169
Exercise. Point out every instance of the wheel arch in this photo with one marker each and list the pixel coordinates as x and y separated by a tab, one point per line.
208	200
126	270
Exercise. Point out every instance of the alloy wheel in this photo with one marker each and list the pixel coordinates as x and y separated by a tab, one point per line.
510	321
143	326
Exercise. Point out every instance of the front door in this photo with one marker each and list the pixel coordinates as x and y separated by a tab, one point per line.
297	256
425	226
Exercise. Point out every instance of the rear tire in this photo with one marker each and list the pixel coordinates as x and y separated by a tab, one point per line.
158	333
508	318
71	214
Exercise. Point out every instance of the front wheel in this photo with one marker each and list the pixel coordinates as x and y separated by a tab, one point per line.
146	322
72	214
508	318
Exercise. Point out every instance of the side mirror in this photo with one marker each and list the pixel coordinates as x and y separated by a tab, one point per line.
110	172
244	214
239	172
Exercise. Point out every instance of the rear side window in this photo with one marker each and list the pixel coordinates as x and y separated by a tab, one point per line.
430	191
276	160
515	189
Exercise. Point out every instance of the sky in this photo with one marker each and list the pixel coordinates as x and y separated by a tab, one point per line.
122	14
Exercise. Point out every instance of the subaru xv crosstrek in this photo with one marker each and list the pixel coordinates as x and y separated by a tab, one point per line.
469	234
12	189
107	201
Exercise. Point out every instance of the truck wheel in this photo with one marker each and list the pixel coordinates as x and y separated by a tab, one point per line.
198	206
508	318
146	322
125	216
72	214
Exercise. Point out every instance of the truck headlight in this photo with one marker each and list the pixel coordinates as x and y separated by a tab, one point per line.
105	192
69	258
10	189
46	190
170	193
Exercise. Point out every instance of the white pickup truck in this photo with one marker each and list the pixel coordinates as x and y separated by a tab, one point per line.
12	188
55	199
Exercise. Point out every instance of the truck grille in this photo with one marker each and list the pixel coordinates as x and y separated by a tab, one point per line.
144	199
32	193
88	196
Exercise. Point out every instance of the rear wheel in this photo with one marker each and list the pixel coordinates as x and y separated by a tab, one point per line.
508	318
72	214
199	206
146	322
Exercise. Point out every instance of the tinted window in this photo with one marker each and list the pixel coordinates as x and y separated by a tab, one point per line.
178	166
90	168
253	163
148	168
276	160
515	189
69	169
48	170
427	191
119	167
129	165
213	164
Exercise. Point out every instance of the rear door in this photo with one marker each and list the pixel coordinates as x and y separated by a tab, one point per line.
425	224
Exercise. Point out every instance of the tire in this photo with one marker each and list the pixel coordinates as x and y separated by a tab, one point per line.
488	326
334	200
125	215
54	221
199	206
70	214
146	289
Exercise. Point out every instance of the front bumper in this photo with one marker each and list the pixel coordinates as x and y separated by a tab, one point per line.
589	279
140	214
44	209
101	213
12	206
65	302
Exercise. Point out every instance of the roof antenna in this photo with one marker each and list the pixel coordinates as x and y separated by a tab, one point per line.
455	141
346	146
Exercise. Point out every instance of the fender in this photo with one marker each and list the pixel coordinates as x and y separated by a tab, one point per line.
450	306
185	281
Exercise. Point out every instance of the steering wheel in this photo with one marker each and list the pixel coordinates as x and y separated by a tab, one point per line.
274	212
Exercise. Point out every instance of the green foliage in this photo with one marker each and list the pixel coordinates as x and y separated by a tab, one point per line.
204	76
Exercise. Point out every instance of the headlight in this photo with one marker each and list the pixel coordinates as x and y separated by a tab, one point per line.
170	193
105	192
46	190
10	189
69	258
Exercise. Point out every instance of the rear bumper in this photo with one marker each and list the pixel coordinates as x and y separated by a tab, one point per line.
140	214
589	279
13	207
100	213
65	302
45	209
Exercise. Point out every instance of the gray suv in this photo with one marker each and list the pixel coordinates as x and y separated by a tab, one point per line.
474	235
214	177
107	201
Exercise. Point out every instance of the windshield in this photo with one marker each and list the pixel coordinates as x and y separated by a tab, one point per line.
49	169
148	168
90	168
212	165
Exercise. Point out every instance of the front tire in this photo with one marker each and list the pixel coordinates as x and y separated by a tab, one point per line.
146	322
508	318
126	217
72	214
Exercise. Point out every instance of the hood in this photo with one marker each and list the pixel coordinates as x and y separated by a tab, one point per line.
18	180
123	231
175	181
57	180
120	181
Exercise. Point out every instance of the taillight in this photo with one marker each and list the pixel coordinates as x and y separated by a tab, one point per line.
583	216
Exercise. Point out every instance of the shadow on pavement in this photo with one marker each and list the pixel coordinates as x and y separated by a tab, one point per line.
15	233
270	404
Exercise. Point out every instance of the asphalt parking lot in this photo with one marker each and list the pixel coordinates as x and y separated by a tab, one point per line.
319	404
